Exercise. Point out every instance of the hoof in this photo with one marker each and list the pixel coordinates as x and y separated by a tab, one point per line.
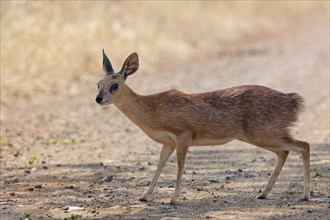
143	199
304	199
172	202
261	197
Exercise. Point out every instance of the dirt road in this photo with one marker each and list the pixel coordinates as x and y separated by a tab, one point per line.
93	162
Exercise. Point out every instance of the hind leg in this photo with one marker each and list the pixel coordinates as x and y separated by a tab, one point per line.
289	144
281	158
306	161
303	148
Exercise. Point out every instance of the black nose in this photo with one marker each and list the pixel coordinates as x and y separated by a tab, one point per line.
98	99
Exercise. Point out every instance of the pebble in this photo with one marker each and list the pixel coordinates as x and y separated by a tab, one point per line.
58	192
107	179
115	207
138	206
102	195
12	180
39	186
16	154
249	175
65	208
74	208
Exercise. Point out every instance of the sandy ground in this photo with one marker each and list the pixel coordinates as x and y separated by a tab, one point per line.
92	162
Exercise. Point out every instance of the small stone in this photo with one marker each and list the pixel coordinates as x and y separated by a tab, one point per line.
115	207
65	207
75	208
55	193
108	179
12	180
249	175
16	154
12	194
93	211
213	181
33	170
240	170
39	186
102	195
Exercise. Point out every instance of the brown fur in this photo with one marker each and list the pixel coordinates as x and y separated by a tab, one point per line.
254	114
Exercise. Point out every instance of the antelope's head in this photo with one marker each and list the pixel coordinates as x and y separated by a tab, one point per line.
110	87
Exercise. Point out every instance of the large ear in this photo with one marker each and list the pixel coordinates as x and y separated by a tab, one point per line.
130	65
107	67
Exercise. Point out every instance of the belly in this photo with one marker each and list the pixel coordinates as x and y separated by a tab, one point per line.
168	138
209	141
160	136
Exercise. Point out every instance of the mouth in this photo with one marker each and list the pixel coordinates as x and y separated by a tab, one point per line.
104	103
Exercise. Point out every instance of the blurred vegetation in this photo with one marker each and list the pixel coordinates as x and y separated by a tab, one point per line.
54	47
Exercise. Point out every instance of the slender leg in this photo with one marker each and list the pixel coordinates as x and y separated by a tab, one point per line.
164	155
281	158
302	147
181	153
307	177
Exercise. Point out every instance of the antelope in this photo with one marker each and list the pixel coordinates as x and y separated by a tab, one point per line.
253	114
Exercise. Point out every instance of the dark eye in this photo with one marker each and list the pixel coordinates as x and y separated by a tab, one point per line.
113	87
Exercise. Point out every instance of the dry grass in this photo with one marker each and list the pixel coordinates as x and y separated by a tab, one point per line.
53	47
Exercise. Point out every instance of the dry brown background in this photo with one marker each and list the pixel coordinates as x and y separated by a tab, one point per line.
51	61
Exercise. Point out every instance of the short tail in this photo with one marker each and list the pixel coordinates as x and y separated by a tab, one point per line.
298	102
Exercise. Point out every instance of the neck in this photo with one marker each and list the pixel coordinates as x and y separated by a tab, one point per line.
130	103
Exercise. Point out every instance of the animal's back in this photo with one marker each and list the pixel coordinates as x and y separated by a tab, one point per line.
240	112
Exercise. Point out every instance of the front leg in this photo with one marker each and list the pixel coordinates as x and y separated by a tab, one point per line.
164	155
